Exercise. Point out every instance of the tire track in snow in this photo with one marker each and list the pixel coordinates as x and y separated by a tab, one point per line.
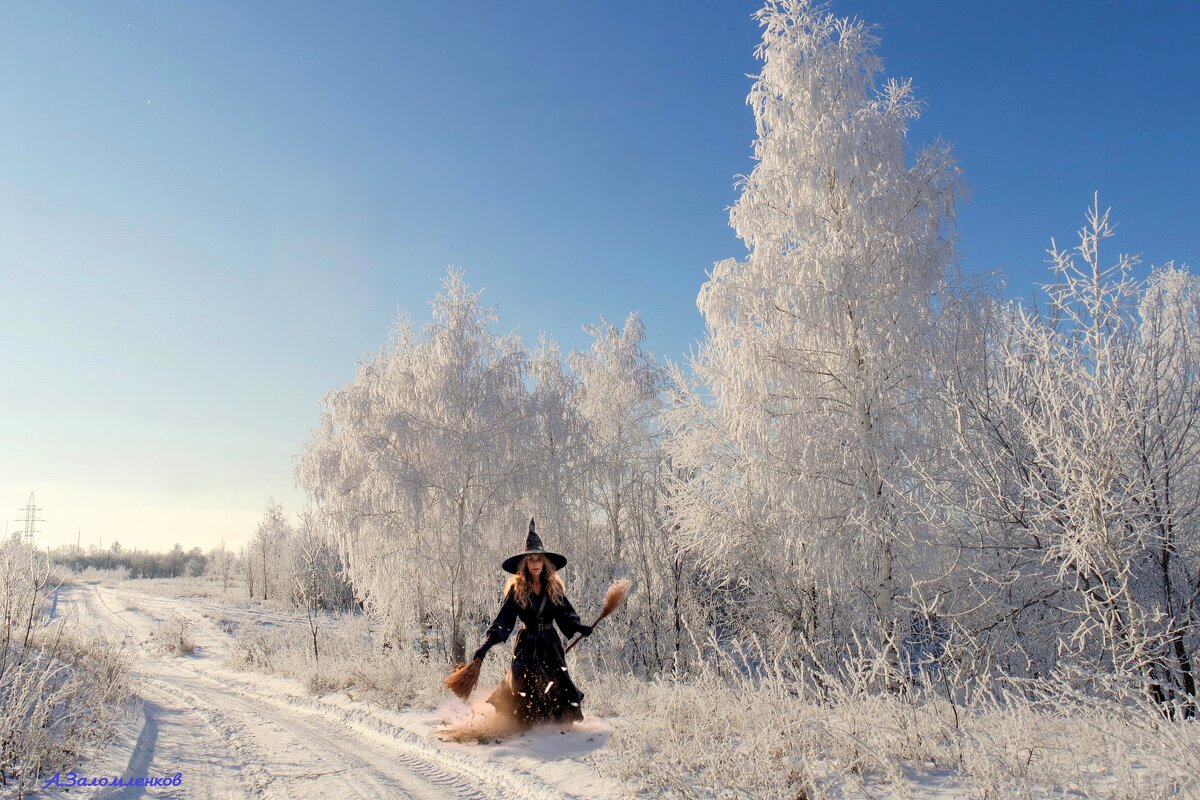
462	775
240	729
167	694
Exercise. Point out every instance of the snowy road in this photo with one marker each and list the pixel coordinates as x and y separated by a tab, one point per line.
234	735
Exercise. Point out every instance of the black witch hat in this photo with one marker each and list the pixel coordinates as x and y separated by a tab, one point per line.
533	544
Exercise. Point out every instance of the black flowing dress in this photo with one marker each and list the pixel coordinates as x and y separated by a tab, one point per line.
537	688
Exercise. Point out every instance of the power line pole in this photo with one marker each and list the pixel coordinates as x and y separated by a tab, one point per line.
31	519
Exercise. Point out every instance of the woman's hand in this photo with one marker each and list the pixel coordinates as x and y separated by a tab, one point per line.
586	630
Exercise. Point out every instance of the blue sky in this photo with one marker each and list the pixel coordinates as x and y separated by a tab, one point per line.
210	211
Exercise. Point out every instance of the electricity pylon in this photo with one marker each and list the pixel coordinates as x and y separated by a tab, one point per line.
31	519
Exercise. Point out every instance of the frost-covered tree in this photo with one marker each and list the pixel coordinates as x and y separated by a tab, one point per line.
315	571
1072	475
317	576
555	482
805	395
1167	447
996	596
1113	454
221	564
418	462
265	565
619	399
26	578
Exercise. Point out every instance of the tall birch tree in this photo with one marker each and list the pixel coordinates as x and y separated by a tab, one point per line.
790	432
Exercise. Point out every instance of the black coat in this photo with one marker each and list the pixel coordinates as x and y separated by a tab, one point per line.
538	686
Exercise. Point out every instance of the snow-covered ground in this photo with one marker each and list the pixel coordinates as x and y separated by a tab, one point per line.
230	733
235	734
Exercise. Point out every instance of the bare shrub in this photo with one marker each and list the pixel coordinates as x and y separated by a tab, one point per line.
59	700
255	647
175	635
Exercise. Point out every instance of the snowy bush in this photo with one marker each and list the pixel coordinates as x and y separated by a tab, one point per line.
59	700
251	648
59	693
174	635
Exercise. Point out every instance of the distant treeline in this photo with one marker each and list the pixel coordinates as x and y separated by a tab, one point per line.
140	563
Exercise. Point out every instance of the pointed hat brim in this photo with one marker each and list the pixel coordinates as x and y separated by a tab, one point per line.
511	563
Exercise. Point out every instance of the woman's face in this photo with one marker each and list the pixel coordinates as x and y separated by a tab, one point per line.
534	562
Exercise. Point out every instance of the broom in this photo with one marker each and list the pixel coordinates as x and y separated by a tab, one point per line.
612	598
462	680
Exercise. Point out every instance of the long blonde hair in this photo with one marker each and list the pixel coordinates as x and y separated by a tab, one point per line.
521	583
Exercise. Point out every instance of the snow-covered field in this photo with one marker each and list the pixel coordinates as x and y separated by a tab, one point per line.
234	734
231	733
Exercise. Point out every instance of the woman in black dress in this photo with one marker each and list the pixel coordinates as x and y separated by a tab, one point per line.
538	687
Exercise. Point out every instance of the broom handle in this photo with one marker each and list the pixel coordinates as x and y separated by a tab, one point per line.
578	639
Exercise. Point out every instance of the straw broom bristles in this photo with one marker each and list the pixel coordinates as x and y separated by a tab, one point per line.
462	680
612	598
